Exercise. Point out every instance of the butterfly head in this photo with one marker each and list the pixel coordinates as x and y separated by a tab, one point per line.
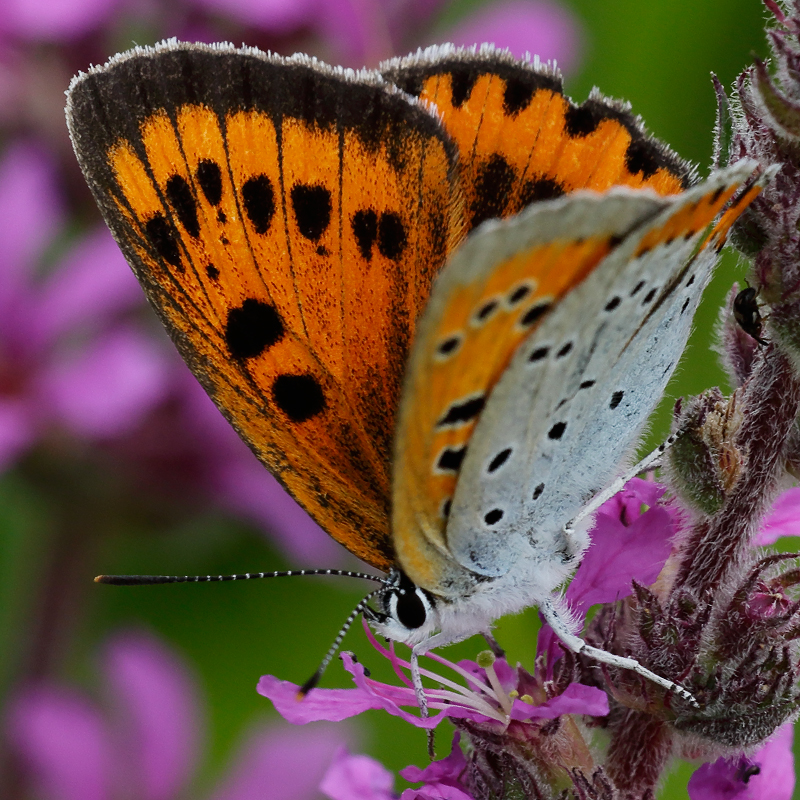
407	612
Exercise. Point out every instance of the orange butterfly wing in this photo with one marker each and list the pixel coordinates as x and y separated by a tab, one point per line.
264	205
521	140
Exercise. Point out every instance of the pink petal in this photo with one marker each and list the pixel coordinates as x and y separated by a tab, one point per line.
106	390
539	27
783	519
728	778
159	710
576	699
442	778
282	763
620	554
63	739
338	704
332	705
357	776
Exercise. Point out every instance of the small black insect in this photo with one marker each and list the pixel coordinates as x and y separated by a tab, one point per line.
747	314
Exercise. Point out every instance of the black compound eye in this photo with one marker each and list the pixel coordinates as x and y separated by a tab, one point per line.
410	609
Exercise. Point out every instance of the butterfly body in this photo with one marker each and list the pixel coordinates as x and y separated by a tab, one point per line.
441	390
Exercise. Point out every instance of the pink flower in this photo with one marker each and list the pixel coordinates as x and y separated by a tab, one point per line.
497	693
68	357
783	519
767	775
631	541
357	776
442	778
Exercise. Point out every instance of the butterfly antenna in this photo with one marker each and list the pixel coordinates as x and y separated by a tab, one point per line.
148	580
314	679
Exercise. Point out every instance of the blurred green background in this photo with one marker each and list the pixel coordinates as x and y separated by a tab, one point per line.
59	525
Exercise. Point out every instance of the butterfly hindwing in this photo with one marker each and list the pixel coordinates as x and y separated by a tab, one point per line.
263	204
521	140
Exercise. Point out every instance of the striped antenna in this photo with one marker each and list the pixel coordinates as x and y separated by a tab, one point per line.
314	679
148	580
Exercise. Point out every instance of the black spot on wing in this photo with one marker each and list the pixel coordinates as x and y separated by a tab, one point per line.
258	198
517	94
580	121
534	314
494	516
486	311
565	350
538	354
493	186
538	189
557	431
449	345
462	81
616	399
209	178
312	209
451	458
252	328
499	460
365	229
182	200
644	156
392	236
519	294
163	237
465	411
300	397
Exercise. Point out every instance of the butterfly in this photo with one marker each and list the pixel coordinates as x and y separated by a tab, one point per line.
438	300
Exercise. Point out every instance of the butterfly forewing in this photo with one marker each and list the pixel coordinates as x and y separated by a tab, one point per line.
263	204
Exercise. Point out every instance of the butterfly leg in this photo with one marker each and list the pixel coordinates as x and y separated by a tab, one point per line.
494	645
650	461
574	643
419	690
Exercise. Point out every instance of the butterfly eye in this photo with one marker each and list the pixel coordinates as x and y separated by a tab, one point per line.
407	604
410	609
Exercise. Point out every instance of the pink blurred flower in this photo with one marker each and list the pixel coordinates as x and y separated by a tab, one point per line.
357	776
54	19
144	743
68	358
539	27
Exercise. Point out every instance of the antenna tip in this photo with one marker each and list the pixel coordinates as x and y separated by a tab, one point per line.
309	685
100	579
